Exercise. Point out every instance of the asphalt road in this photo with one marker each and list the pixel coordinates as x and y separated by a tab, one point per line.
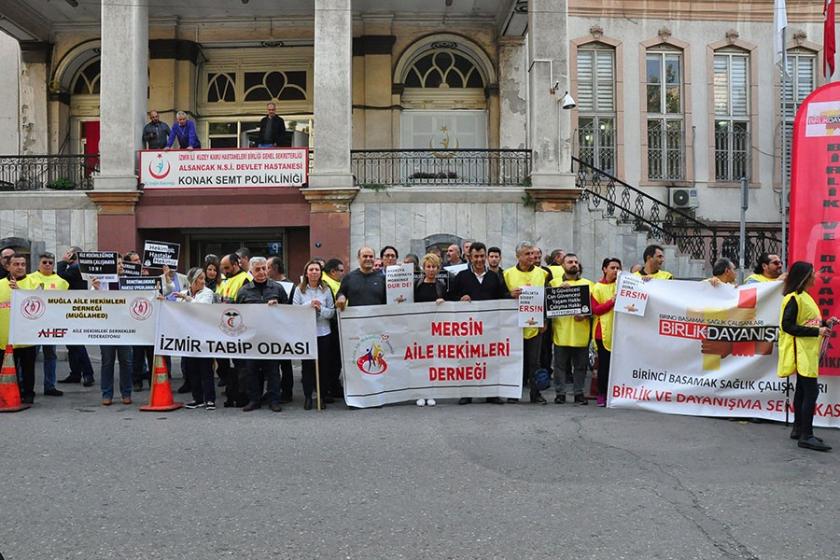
481	481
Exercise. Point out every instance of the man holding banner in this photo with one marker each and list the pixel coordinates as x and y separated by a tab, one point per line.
45	278
262	290
571	335
526	273
24	355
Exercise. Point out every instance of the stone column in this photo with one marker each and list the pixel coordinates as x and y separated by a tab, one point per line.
333	94
9	105
331	186
33	98
550	125
513	93
122	98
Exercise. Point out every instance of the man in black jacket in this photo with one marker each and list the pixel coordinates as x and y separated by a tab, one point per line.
272	129
155	133
478	283
261	289
81	370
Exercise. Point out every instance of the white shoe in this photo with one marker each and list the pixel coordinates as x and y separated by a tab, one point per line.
430	402
421	402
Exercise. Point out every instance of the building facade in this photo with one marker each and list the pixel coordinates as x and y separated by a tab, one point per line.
427	122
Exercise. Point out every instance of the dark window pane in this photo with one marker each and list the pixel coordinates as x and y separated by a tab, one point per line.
653	100
424	64
654	70
223	143
291	94
443	60
454	80
434	79
222	128
474	80
275	82
413	79
253	79
462	64
297	79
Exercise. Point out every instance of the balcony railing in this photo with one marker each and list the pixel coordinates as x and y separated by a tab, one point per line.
48	172
374	168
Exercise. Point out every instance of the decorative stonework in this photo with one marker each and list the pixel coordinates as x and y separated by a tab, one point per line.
597	32
554	200
329	200
799	37
732	35
664	34
114	202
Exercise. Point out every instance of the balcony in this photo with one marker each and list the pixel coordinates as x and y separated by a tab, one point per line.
48	172
411	168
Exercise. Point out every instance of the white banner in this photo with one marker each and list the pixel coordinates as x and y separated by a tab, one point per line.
223	168
396	353
79	317
256	331
707	351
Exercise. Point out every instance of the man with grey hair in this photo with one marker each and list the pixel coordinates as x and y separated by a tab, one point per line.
526	273
155	133
262	289
723	272
184	131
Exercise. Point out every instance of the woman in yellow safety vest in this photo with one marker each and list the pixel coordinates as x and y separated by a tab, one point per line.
603	302
800	336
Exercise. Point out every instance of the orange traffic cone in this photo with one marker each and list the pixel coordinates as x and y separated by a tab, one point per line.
161	399
9	390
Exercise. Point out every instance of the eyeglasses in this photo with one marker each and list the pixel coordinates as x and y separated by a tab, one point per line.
47	262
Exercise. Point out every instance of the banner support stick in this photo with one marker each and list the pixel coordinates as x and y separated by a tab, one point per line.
787	402
318	385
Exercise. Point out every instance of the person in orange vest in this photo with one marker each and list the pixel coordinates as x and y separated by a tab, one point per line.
800	336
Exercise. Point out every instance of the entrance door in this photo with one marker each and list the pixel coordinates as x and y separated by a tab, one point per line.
270	245
90	143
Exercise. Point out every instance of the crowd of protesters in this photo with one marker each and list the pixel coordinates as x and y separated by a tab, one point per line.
565	348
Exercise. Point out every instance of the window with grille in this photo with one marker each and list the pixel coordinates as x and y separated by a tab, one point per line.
801	81
596	106
665	122
732	126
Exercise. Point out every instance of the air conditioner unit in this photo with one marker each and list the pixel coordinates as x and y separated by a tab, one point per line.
684	198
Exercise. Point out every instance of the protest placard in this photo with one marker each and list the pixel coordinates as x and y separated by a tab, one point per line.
98	264
156	254
132	269
399	283
631	295
571	300
140	283
531	306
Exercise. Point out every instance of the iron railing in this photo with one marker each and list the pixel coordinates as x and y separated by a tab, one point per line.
48	172
667	224
373	168
732	151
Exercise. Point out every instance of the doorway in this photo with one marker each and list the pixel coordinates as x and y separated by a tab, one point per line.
265	243
90	146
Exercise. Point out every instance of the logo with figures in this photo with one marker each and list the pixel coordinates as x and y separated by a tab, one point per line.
370	354
232	323
33	307
140	309
159	167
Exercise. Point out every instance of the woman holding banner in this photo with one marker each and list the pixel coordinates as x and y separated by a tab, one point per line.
313	291
199	370
800	336
603	303
429	288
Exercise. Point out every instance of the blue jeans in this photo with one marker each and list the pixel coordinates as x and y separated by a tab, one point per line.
106	377
50	362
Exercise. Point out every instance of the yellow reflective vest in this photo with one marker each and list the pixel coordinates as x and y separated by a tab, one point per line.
6	306
515	278
333	284
230	286
752	278
800	354
603	293
660	275
566	331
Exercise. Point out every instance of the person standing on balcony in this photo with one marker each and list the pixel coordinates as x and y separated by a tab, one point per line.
45	278
654	257
768	268
184	131
272	128
155	133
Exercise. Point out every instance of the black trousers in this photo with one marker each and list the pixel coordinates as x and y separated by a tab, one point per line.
531	360
235	384
25	364
200	375
336	389
287	380
325	369
603	368
140	356
263	369
804	403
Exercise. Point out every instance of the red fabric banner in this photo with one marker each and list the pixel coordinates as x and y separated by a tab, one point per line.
828	39
815	203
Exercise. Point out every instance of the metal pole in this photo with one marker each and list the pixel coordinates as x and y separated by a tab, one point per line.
784	195
742	244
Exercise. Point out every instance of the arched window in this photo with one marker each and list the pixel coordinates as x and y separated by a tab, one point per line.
87	80
283	86
221	87
443	68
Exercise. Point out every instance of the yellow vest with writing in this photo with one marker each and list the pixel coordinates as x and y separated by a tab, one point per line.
660	275
51	282
799	354
515	278
566	331
6	307
603	293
